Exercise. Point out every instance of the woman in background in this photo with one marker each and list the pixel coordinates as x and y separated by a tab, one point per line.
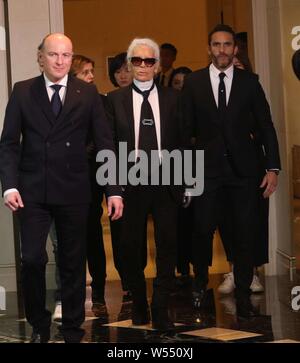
185	215
83	68
120	76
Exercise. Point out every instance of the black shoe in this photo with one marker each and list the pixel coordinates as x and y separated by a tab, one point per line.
40	337
127	296
183	281
161	320
98	297
72	335
199	298
140	314
99	309
163	326
244	309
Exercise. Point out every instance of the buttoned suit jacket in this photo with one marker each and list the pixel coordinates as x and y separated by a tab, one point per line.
120	115
157	79
239	133
50	164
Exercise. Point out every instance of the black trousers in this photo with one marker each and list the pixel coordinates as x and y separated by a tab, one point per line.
70	221
261	241
95	245
115	229
184	239
139	201
242	203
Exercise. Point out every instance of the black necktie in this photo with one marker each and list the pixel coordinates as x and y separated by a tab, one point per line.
222	95
227	169
147	134
55	100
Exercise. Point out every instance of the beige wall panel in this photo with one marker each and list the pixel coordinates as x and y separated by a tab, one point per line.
243	23
102	28
214	9
3	67
29	22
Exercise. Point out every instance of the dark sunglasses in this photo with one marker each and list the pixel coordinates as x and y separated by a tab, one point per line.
137	61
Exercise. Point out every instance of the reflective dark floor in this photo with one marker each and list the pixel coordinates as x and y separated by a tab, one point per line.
215	322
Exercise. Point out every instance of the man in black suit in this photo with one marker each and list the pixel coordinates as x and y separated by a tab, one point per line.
168	53
45	177
225	108
144	116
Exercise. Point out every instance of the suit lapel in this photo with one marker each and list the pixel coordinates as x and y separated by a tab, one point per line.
163	114
41	96
128	106
210	94
72	94
234	93
211	102
73	91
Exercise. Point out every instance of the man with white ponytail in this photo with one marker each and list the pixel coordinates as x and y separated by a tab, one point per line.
144	116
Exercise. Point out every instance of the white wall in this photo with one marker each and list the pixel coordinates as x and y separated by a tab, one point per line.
268	59
29	22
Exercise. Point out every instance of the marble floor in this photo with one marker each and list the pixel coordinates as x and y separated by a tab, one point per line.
215	322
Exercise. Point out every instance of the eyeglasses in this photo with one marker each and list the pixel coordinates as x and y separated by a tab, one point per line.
86	72
137	61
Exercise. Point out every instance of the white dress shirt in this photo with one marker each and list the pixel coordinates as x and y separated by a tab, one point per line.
215	81
62	92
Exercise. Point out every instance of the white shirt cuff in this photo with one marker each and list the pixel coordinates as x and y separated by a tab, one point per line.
8	191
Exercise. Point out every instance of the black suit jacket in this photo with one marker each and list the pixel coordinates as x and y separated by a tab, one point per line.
247	118
157	78
50	165
121	118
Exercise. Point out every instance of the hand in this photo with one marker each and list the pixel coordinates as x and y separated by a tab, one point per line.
13	201
116	204
270	181
187	199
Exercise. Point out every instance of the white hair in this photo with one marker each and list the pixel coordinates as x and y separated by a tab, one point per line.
143	41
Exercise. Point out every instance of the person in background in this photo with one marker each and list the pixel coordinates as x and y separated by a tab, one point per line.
168	53
296	63
119	73
185	216
83	68
261	242
178	76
